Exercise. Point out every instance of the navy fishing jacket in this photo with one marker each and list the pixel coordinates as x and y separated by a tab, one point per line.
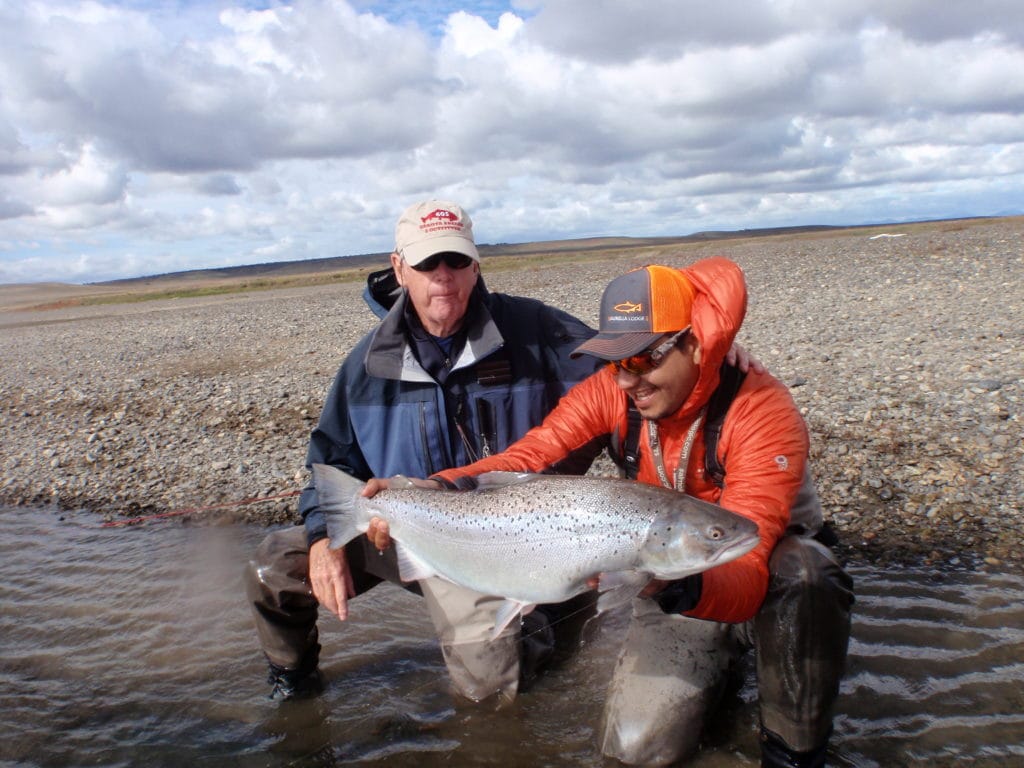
384	415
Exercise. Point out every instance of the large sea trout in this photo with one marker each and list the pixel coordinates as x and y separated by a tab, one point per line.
537	538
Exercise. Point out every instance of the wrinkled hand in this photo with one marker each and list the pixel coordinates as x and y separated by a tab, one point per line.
378	532
742	359
330	578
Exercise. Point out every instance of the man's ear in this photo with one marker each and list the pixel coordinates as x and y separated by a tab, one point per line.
695	349
396	265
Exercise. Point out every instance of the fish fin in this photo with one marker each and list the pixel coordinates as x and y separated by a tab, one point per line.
410	567
336	494
507	613
619	588
496	479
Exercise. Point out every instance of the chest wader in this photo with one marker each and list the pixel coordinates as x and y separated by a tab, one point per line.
673	670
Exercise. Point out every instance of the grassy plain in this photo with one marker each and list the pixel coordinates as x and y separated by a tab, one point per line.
345	269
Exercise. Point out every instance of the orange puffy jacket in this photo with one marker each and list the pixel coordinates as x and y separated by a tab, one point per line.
763	445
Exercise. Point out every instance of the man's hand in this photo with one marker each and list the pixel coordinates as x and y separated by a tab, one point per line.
654	586
377	484
742	359
379	533
330	578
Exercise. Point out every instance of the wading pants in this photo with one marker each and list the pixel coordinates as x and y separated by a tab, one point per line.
672	669
285	614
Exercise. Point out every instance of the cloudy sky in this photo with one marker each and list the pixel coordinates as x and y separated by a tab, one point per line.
146	136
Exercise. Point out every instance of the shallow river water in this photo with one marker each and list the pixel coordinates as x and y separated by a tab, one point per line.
133	646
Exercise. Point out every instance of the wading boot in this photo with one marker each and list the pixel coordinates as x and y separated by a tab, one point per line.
302	683
776	754
537	646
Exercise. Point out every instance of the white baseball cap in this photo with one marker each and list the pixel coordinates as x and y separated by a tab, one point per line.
434	226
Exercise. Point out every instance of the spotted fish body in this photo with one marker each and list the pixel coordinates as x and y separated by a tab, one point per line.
538	538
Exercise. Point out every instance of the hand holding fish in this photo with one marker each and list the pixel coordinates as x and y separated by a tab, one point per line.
654	586
378	532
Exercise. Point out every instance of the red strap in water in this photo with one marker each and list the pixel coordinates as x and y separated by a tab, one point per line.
194	510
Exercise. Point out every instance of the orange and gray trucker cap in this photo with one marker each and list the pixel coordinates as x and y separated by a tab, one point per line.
434	226
639	308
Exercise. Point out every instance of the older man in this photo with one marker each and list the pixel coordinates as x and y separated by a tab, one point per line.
451	374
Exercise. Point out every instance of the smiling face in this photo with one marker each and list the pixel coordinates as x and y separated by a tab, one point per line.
660	393
440	296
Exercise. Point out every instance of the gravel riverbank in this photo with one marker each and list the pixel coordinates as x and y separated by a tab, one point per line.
904	347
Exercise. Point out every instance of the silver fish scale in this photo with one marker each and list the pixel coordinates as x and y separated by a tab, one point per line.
546	536
539	538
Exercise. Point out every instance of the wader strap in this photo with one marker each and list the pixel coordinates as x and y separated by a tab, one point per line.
631	447
730	379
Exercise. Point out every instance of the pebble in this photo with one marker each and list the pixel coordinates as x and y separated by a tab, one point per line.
909	378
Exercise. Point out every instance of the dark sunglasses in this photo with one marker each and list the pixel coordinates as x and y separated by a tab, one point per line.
451	258
649	359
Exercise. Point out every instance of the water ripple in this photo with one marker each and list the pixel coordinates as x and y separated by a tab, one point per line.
134	646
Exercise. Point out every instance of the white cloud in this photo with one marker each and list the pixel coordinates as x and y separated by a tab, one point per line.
198	134
86	178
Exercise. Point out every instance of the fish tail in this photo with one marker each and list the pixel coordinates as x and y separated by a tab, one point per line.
337	494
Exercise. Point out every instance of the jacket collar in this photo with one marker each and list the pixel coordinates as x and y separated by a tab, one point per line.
390	356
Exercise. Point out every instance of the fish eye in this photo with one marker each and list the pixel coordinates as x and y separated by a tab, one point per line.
715	533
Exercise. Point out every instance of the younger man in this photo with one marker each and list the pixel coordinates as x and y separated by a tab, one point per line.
665	334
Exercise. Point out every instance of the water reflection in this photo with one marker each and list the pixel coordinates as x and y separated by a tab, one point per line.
936	670
133	646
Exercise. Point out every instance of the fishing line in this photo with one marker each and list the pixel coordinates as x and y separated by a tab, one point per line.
196	510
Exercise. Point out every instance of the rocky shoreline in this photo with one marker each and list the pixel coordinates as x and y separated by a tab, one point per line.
903	348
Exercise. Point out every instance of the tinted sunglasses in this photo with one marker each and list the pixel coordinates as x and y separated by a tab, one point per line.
649	359
451	258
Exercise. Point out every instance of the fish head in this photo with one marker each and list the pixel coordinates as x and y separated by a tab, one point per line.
693	536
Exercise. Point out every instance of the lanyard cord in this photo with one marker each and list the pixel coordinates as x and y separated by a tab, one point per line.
679	479
460	415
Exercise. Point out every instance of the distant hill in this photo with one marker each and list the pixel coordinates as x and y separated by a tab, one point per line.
282	269
41	296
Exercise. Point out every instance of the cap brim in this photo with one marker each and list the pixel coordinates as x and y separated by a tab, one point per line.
418	252
616	346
